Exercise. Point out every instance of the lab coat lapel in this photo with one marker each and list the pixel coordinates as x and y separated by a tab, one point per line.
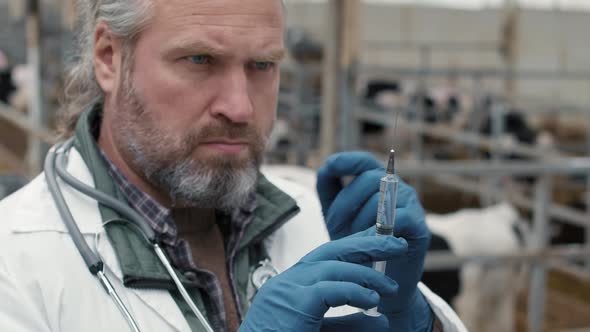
85	212
160	301
84	209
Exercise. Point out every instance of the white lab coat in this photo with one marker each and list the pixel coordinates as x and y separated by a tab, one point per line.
45	285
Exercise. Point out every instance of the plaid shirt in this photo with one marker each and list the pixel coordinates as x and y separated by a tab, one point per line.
160	219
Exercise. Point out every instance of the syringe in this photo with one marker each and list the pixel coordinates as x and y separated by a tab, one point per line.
385	213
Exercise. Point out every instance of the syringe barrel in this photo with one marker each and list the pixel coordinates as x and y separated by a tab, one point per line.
385	220
387	201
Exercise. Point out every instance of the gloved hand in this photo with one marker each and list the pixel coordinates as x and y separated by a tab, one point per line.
354	207
331	275
355	323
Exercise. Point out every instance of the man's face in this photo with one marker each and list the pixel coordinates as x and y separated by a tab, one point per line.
198	95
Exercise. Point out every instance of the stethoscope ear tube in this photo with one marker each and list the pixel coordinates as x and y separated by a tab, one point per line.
101	197
92	261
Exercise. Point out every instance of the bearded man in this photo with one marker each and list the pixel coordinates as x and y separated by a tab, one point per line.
169	106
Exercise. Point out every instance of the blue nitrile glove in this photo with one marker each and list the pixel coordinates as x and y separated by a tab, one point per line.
331	275
354	207
355	323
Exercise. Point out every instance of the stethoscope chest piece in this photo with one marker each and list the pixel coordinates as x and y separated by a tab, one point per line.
262	273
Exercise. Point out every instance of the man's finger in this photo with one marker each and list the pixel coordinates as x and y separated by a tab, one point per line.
340	165
409	224
359	249
350	163
367	217
358	274
352	200
336	293
370	231
406	194
355	323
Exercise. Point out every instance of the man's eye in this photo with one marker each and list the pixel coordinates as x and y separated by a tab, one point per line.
199	59
263	65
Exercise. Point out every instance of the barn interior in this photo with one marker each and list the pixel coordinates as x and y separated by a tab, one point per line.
486	104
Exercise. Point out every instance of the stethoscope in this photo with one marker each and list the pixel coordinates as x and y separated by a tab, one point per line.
55	165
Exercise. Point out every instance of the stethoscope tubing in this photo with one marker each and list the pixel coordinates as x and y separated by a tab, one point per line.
181	289
101	197
55	165
110	289
93	262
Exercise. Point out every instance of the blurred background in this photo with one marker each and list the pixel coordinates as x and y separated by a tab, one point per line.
486	102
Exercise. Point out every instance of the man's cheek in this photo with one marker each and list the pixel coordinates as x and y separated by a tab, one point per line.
269	127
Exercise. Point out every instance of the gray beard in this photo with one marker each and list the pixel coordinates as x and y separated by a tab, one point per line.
190	183
219	184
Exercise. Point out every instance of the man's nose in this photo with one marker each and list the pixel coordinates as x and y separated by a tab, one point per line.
234	101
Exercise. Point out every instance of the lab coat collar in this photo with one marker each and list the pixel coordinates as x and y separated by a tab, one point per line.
47	218
86	213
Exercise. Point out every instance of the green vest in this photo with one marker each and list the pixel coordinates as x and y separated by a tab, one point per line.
139	264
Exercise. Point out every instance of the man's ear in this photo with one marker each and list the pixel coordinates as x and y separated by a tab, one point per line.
107	58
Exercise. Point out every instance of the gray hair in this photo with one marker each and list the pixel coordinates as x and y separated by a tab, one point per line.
126	19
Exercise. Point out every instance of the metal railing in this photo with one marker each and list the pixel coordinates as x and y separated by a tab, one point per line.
544	166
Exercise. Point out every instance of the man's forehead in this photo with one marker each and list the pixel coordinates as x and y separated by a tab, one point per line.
237	13
237	29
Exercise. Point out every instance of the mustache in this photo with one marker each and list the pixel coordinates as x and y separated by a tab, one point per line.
229	131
